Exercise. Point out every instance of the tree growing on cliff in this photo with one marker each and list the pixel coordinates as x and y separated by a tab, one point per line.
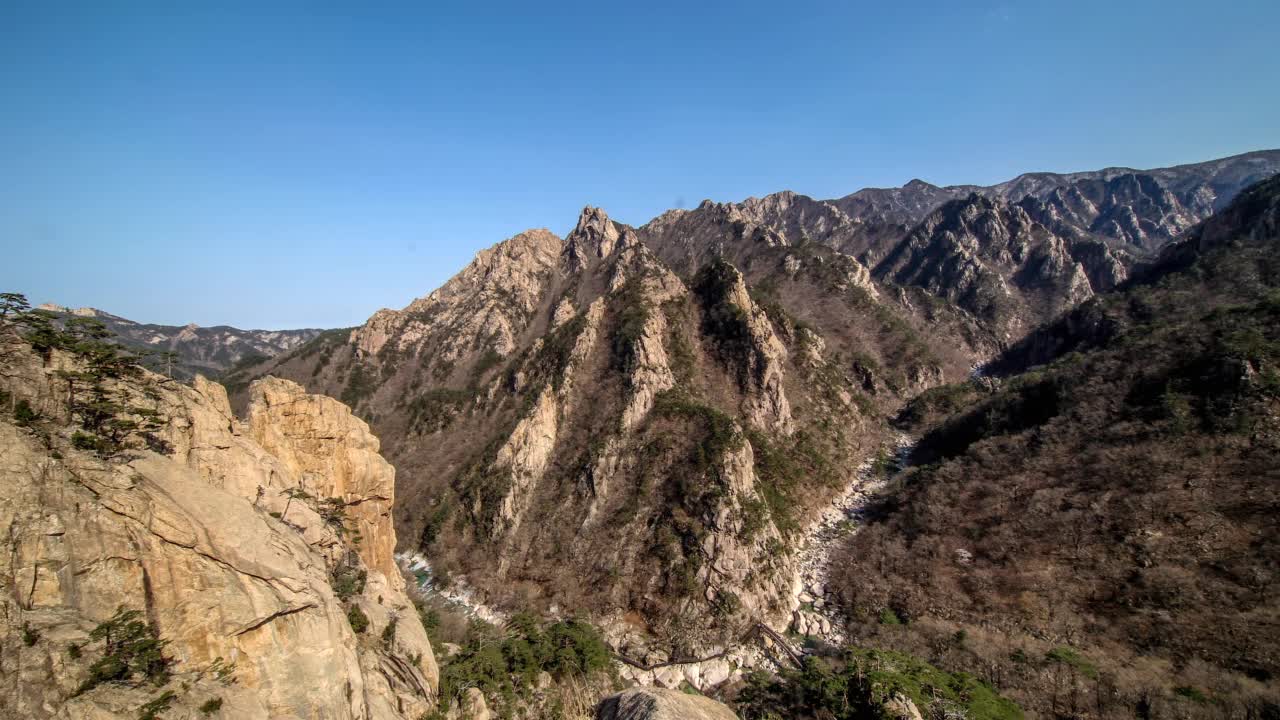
13	304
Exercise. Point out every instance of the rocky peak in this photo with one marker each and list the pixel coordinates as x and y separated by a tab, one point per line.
488	303
595	236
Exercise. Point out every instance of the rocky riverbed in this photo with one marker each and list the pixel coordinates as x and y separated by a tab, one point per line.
813	613
457	592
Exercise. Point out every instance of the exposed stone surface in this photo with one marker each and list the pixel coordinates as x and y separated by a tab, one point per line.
186	539
740	563
661	704
900	707
525	456
490	300
767	406
471	707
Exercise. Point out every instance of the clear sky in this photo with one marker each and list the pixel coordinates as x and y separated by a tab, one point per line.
303	166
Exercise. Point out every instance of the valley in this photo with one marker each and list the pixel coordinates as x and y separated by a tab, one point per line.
984	452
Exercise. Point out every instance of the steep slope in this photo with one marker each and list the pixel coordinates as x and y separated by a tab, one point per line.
1098	533
196	350
996	262
165	555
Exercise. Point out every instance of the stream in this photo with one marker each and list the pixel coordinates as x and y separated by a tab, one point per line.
457	593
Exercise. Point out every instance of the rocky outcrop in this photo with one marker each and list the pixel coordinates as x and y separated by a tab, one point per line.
901	707
739	562
661	704
594	237
472	706
331	455
525	455
211	543
766	404
650	368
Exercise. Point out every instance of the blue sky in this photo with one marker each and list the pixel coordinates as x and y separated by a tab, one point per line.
306	164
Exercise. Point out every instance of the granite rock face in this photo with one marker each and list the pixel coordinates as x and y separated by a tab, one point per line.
491	300
206	542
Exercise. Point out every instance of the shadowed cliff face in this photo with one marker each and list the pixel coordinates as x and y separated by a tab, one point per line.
230	540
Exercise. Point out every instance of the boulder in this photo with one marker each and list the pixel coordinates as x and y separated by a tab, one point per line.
661	704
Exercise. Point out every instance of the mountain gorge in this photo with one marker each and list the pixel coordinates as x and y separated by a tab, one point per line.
1033	427
639	423
1106	501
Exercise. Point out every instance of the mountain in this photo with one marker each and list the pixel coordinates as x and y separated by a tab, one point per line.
205	350
1095	525
1013	254
167	558
639	423
669	429
1151	196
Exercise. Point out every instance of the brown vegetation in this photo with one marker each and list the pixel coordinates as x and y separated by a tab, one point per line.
1098	536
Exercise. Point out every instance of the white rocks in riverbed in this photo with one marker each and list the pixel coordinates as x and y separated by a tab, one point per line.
716	673
668	677
813	614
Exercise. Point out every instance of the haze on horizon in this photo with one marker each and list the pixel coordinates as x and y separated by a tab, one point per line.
275	169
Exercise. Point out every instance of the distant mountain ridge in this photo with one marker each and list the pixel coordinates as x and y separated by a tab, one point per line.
209	351
1013	254
1223	178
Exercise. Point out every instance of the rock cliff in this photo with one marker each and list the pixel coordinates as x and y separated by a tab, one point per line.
258	555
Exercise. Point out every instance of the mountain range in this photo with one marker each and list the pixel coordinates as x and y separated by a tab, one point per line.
195	350
1026	432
